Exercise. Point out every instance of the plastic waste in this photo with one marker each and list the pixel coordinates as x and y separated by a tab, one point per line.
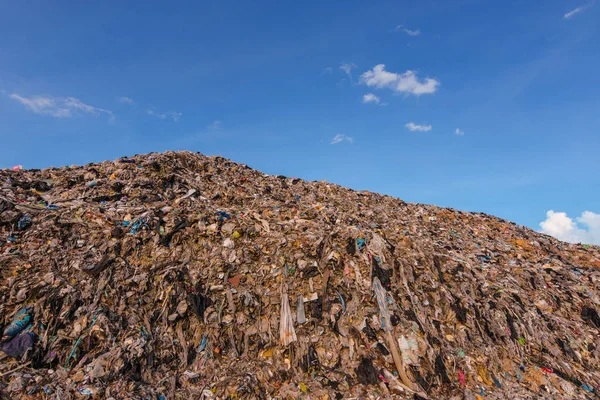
18	345
287	334
173	277
300	314
20	322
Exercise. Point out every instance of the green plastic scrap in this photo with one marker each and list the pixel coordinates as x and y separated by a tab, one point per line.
74	349
72	352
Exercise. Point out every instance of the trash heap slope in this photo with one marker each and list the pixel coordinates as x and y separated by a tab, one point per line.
186	276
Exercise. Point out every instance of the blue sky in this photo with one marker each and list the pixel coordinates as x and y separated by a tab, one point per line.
368	95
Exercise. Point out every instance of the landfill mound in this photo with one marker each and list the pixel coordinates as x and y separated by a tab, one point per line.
178	275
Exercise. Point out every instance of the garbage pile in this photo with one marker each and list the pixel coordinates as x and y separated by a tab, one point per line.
177	275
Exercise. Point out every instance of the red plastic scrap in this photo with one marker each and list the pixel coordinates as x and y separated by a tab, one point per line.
461	378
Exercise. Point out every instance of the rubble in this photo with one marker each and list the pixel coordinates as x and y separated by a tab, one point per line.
178	275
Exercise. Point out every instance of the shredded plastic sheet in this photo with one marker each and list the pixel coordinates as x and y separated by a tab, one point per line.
300	313
382	301
287	333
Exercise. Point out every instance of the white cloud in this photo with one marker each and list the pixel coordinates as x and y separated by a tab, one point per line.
406	82
586	229
125	100
416	32
340	138
171	114
371	98
327	70
347	68
215	125
43	105
409	32
571	13
411	126
58	107
459	132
